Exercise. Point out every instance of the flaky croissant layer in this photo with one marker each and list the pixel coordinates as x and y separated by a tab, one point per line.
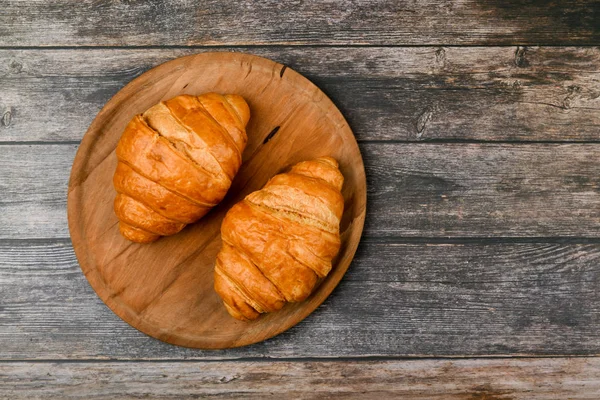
279	241
176	161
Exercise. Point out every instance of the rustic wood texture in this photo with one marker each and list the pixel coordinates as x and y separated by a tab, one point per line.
406	93
416	189
525	379
160	23
166	288
470	248
397	299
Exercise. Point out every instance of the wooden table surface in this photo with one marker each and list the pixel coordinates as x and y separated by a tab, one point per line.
477	276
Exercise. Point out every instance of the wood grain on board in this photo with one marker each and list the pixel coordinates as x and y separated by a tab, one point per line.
408	93
397	299
487	379
414	190
347	22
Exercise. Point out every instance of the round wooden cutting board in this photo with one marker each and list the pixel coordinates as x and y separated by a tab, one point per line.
165	288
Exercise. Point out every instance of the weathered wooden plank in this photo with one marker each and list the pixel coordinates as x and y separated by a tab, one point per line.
395	300
553	378
140	23
483	190
33	190
414	189
427	93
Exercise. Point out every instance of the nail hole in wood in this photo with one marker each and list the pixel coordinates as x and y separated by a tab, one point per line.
282	71
186	85
270	135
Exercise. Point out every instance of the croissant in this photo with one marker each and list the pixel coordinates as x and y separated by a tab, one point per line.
176	161
279	241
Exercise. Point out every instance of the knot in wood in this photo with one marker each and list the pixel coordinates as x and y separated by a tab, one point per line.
6	117
422	121
520	60
440	58
15	66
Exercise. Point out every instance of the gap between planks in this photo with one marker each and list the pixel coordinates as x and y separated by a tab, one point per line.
342	359
566	240
364	141
283	45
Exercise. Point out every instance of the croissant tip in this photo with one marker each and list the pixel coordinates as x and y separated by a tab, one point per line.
136	235
329	160
240	106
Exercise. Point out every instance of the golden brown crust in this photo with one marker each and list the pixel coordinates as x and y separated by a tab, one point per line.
329	196
280	240
325	168
256	234
153	156
240	106
139	216
238	268
190	113
235	303
136	234
229	108
161	119
155	196
176	161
